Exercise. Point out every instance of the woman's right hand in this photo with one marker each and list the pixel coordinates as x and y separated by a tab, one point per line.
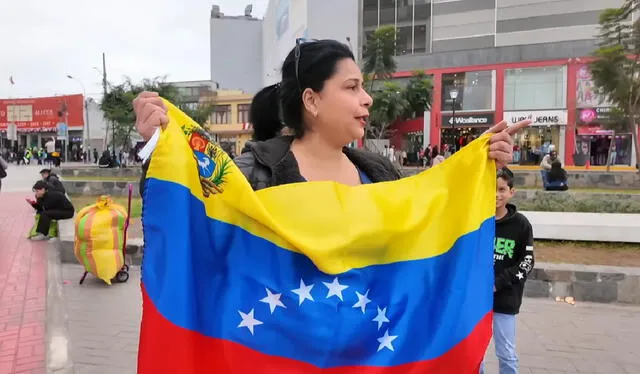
151	113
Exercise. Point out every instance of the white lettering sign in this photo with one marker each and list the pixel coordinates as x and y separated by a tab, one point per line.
538	118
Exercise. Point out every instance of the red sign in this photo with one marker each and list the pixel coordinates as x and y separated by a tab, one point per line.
593	130
42	113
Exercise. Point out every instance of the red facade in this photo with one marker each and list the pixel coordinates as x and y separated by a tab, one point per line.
572	109
42	113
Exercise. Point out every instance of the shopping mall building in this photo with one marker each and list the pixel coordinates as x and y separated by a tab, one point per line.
504	59
500	59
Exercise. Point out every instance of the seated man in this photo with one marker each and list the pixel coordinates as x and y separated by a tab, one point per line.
51	205
557	177
545	165
53	181
106	161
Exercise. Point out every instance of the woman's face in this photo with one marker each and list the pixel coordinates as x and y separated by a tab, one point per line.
342	105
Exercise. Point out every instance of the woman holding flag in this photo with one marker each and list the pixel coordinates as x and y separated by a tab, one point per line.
395	243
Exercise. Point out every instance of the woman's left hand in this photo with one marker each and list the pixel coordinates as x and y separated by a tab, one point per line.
501	142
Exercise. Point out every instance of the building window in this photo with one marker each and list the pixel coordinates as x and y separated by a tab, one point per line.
370	13
387	12
421	39
221	115
403	41
243	113
535	88
475	90
405	11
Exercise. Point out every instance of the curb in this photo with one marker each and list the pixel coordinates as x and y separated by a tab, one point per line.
58	360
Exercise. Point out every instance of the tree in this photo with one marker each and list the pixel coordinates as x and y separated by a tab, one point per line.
418	94
378	55
389	105
616	70
117	106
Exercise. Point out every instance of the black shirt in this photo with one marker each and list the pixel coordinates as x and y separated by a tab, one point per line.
513	260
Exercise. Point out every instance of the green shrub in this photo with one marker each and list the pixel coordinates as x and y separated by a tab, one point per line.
578	202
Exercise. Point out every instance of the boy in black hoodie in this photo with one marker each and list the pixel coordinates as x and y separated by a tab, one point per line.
512	262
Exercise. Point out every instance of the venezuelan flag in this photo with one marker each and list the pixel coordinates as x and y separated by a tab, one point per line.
313	277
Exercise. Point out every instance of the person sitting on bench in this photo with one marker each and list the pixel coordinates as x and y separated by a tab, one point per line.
51	205
557	177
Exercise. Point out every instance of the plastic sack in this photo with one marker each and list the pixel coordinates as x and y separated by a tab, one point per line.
100	230
53	228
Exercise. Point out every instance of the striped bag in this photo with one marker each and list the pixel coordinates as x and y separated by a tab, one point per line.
99	238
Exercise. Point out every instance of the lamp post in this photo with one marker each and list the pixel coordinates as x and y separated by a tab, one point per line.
86	138
453	94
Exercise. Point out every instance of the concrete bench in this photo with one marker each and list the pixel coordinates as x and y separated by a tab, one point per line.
598	227
66	231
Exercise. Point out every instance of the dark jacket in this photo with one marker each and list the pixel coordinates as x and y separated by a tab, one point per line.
53	200
512	260
271	163
54	184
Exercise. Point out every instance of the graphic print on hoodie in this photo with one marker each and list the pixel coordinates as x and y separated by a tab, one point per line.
513	260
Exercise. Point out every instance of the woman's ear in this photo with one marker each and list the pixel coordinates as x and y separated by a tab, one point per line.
310	101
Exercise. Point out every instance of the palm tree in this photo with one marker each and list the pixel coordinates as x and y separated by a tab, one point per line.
378	54
389	105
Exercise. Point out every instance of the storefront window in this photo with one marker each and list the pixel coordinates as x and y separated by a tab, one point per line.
539	88
532	144
596	147
475	90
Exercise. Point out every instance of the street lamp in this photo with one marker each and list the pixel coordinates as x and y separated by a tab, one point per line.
453	94
86	139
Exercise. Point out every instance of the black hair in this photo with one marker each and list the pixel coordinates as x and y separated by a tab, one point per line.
506	175
435	152
556	163
41	185
280	105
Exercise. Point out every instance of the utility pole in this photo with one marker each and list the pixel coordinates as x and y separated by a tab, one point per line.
104	96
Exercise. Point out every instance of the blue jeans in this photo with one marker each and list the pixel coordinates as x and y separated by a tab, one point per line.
504	338
544	173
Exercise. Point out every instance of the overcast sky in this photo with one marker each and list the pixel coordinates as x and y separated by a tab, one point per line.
43	41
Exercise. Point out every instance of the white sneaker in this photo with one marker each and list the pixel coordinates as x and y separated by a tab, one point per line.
38	238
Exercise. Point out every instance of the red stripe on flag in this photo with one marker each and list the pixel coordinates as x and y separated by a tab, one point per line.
167	348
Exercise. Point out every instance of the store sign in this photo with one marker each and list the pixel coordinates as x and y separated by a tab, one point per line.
595	115
62	130
480	120
42	113
538	117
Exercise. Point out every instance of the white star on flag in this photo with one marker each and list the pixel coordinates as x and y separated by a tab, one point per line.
335	288
381	317
304	292
248	321
386	340
363	300
520	275
273	299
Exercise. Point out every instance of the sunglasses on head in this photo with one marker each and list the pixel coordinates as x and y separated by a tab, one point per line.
299	42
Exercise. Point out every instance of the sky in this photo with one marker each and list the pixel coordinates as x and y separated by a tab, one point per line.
44	41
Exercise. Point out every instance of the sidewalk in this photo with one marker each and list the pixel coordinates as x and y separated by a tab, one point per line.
23	268
553	338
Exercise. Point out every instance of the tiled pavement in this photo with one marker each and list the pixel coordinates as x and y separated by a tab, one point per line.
23	271
553	338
